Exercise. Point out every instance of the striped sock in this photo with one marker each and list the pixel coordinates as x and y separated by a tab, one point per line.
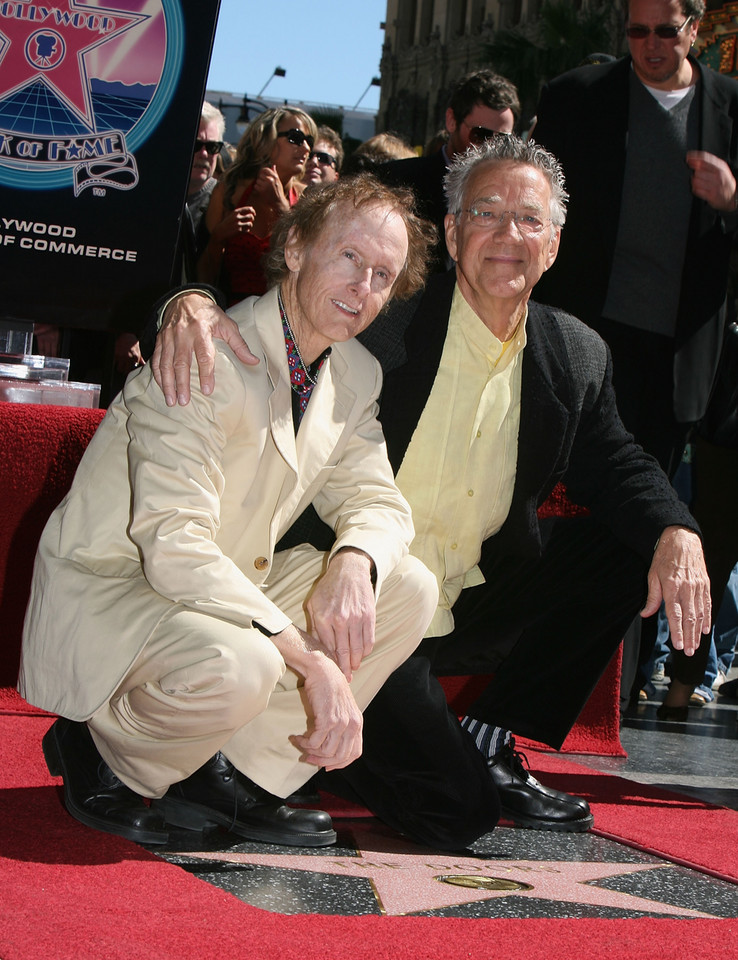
489	739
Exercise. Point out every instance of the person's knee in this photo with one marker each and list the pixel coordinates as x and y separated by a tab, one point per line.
237	678
415	586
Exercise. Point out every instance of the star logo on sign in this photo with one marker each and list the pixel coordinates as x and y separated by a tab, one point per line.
52	45
407	882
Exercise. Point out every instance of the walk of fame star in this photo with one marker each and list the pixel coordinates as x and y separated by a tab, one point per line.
405	881
51	45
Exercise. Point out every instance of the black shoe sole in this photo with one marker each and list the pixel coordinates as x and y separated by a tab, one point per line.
195	816
553	826
55	766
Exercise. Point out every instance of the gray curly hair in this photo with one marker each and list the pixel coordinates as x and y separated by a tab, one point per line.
501	149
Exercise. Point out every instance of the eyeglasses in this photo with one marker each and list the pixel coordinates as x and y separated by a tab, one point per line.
212	146
324	159
664	31
297	137
486	214
478	135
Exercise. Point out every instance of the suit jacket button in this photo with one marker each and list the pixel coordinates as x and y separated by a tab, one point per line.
261	563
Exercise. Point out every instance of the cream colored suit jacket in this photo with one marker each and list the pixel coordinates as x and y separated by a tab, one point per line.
184	505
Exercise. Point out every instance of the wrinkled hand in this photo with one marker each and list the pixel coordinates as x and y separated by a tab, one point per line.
127	353
189	325
333	739
342	609
712	180
678	577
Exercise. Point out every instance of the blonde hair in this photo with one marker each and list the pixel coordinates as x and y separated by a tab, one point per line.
255	147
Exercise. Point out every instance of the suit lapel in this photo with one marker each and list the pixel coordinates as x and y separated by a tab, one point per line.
407	388
280	400
330	407
543	415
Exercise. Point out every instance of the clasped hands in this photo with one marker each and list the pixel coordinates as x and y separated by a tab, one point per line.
341	613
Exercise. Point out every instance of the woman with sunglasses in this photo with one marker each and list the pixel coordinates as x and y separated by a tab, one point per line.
264	181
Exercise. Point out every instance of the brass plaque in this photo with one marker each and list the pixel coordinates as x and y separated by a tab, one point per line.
485	883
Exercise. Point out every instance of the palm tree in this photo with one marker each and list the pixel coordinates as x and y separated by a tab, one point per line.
559	39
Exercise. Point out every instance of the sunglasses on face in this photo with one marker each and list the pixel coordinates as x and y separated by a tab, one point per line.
478	135
664	31
324	159
212	146
297	137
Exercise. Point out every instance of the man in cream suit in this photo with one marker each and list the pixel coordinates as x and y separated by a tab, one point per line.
189	661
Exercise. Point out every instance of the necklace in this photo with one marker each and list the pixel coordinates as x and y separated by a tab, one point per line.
297	371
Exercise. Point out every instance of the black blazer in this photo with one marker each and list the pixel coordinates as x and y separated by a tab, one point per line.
583	120
570	430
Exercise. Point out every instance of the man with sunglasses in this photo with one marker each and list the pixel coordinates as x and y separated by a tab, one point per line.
482	104
326	158
205	152
649	146
207	148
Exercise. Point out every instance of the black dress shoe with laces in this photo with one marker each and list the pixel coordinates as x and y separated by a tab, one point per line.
92	792
529	803
218	794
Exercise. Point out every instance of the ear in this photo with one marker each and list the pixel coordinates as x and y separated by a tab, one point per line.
293	251
553	250
450	121
449	224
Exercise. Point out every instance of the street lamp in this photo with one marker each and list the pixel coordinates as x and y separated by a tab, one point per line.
244	116
374	82
278	72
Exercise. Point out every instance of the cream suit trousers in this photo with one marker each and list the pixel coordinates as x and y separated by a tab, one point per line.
202	684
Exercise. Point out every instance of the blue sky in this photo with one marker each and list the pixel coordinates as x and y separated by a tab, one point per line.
330	49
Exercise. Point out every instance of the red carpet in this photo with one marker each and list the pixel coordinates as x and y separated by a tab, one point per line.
71	894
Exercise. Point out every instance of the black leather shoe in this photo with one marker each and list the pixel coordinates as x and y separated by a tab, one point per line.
528	803
219	794
92	792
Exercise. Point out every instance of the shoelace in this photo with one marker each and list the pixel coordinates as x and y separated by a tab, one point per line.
516	759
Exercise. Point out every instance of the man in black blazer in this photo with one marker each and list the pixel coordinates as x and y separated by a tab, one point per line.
481	104
489	401
649	147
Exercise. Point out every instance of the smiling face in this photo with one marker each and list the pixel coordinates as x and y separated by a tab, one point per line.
290	158
657	62
497	266
203	165
338	284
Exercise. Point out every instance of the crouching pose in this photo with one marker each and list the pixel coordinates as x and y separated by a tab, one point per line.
189	661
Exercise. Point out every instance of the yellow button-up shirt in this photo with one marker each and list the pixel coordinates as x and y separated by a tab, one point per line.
458	472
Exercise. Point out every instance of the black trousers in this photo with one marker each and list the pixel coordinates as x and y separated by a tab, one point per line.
547	628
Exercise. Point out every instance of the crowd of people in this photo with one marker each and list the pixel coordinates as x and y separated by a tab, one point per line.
302	512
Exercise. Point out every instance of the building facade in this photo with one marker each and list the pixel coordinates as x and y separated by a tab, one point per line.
429	44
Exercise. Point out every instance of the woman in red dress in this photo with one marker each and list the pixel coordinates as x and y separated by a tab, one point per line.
263	182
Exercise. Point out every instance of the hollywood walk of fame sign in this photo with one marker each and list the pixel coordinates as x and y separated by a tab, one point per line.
99	109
